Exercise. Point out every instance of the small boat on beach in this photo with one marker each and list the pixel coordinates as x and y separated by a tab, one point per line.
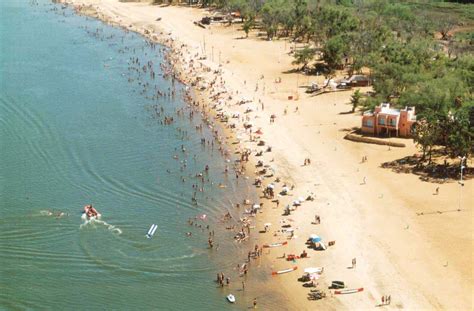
284	271
275	244
230	298
348	291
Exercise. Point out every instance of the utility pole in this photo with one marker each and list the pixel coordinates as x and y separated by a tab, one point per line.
460	180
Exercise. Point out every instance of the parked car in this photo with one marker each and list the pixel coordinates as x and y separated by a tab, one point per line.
357	80
343	86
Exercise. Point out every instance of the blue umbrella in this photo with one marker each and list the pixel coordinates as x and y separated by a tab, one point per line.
316	239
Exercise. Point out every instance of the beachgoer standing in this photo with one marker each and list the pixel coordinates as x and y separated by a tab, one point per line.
255	303
354	262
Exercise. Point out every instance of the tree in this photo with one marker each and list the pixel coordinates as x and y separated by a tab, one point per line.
270	16
460	136
334	51
355	100
248	24
303	57
425	135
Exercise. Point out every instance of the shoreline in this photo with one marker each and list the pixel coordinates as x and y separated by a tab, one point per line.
331	176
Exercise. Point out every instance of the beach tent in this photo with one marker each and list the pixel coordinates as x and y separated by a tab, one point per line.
313	270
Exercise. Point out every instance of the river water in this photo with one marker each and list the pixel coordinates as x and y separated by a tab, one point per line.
77	128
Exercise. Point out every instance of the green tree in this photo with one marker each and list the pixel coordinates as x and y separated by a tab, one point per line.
460	136
248	24
334	51
355	100
425	135
303	57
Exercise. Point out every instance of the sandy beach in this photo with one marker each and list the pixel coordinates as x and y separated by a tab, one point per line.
421	261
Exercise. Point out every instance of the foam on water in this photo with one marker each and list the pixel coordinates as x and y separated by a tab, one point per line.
93	221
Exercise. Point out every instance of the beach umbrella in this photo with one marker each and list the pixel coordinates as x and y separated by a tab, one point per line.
256	206
285	189
271	186
296	203
312	236
301	199
316	239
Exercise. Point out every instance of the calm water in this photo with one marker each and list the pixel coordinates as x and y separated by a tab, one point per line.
74	130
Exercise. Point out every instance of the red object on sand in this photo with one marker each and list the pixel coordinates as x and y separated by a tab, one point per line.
284	271
293	257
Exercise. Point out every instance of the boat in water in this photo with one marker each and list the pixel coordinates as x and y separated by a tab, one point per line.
91	212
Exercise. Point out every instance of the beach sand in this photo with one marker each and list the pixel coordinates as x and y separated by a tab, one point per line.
422	262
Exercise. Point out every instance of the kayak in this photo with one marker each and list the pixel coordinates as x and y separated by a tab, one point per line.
284	271
275	244
151	231
348	291
231	298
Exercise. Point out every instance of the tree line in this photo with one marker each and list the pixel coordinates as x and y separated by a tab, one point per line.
410	49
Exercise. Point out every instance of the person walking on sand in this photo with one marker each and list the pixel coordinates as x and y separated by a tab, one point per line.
354	262
255	303
243	285
364	181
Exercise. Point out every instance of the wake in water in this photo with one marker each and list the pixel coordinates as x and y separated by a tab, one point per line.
94	220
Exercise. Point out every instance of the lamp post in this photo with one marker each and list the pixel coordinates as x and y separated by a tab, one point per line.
460	180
